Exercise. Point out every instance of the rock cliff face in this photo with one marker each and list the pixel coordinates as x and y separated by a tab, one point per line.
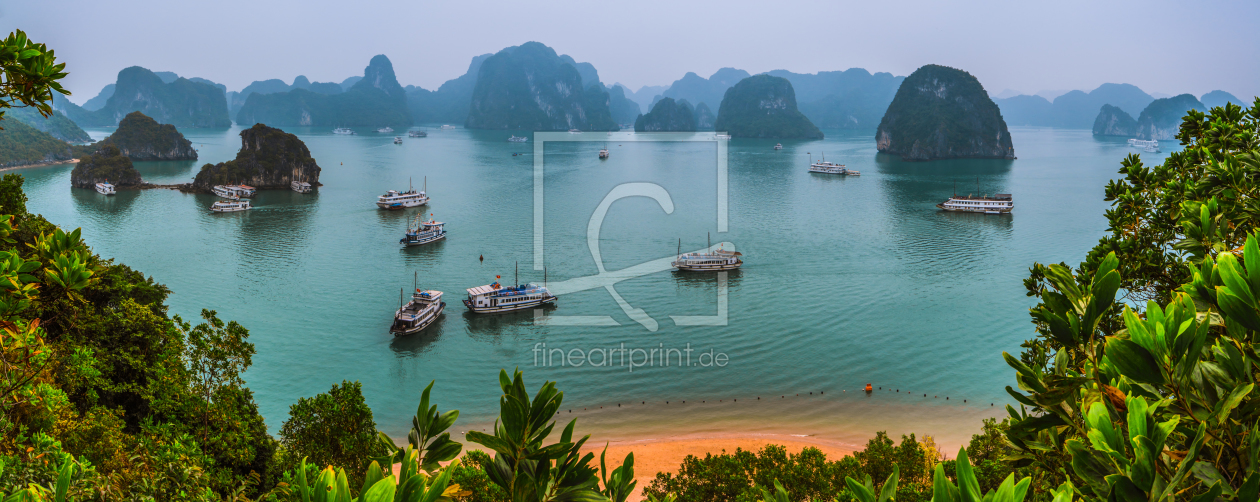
762	106
108	164
1113	121
704	117
182	102
666	116
142	138
376	100
1162	118
269	159
623	110
943	113
531	87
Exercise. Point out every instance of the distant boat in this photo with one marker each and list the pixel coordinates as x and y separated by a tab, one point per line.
574	131
721	136
1146	145
230	206
997	204
397	140
417	134
300	186
343	130
233	191
494	298
386	129
447	126
518	139
603	153
824	167
424	308
105	188
778	146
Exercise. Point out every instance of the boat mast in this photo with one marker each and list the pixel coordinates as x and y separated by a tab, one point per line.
517	277
708	238
678	256
415	280
400	298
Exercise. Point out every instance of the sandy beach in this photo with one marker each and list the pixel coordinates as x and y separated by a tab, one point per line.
41	164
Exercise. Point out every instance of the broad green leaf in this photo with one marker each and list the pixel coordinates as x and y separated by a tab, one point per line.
1237	309
1231	401
1133	361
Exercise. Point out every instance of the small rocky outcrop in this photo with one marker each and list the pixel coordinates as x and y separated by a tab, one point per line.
269	159
1113	121
1162	118
667	115
142	138
762	106
943	113
108	164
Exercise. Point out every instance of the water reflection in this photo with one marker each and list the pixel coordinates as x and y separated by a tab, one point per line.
411	346
168	171
105	207
706	281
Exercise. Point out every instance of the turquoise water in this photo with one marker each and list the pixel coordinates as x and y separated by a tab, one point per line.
846	280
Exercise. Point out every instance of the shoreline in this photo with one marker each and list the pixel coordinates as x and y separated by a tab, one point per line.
40	164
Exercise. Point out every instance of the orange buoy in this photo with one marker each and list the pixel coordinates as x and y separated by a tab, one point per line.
868	388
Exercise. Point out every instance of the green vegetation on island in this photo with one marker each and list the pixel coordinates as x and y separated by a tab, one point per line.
763	106
22	145
1162	117
1113	121
531	87
182	102
268	159
943	113
107	164
375	101
57	124
667	115
623	110
142	138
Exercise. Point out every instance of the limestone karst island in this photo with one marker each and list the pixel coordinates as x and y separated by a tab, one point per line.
612	252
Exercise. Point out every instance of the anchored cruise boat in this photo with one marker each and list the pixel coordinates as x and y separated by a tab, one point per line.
421	232
233	191
824	167
417	134
394	199
517	139
603	152
997	204
424	308
494	298
343	130
718	260
105	188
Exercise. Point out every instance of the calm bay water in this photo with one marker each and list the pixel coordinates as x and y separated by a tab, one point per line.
846	280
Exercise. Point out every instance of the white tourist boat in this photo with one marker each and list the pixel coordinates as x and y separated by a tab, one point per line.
1149	145
300	186
385	130
417	134
421	232
233	191
105	188
494	298
603	153
424	308
447	126
778	146
397	140
716	261
721	136
825	167
343	130
517	139
394	199
997	204
575	131
230	206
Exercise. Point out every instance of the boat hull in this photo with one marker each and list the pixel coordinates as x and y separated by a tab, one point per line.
421	242
104	191
402	204
708	268
501	309
404	328
976	210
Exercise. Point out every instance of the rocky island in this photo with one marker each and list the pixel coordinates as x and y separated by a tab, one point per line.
269	159
23	145
943	113
57	125
107	164
1113	121
1162	118
667	115
142	138
531	87
762	106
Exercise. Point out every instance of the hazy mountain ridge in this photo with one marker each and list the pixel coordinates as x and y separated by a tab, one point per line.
181	102
1161	120
531	87
57	124
666	115
1113	121
375	101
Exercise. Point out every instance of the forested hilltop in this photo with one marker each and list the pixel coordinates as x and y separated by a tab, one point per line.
942	113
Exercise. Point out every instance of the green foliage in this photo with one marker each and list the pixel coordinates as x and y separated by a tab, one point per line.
428	436
332	429
21	144
524	467
473	482
620	484
762	106
107	164
56	125
968	488
29	74
268	158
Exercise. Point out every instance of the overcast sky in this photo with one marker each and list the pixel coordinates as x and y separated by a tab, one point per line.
1167	47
